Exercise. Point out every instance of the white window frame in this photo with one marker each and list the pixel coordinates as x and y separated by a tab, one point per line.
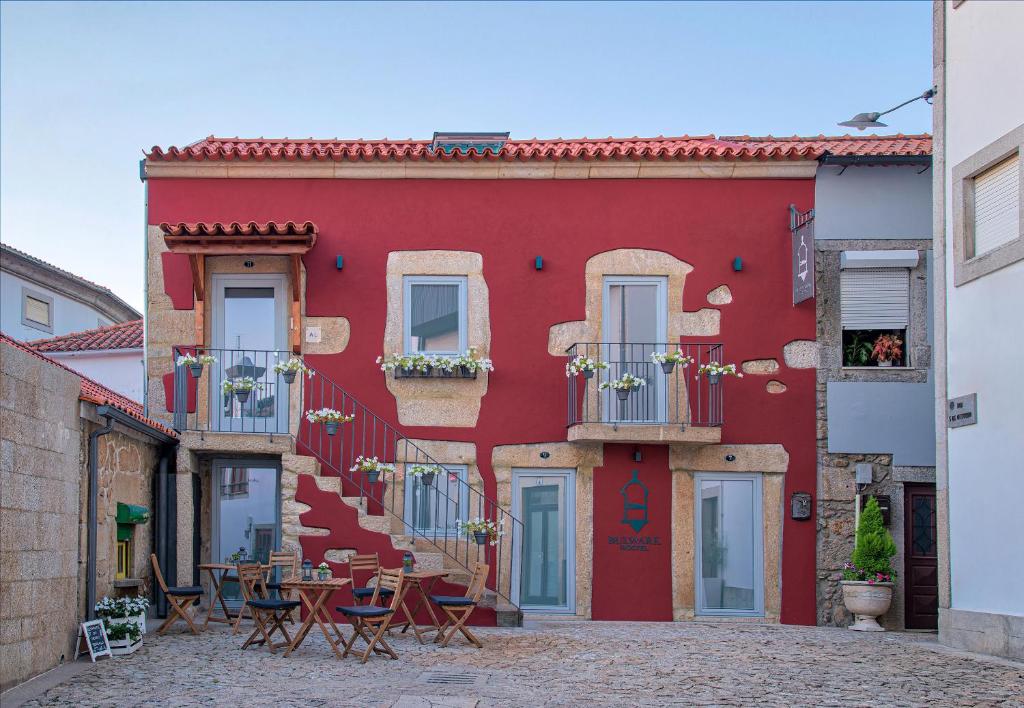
27	293
408	281
463	501
758	543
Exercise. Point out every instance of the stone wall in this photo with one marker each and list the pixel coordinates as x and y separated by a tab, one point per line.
41	458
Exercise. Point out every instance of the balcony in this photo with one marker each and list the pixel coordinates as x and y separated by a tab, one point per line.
237	391
674	405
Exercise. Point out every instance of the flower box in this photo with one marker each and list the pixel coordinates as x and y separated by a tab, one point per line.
124	647
433	373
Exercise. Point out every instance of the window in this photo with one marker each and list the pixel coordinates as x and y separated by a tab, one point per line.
434	508
988	226
36	310
435	314
875	305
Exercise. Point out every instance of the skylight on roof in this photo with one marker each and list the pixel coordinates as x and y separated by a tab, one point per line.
450	142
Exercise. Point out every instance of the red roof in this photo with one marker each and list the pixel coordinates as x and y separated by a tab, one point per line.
96	392
707	147
125	335
234	228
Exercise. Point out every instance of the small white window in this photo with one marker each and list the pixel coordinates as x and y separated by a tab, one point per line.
996	206
436	507
37	311
435	314
875	304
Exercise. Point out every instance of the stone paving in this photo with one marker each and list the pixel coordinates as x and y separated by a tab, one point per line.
561	663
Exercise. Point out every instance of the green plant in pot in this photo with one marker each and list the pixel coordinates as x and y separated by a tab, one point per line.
868	578
857	351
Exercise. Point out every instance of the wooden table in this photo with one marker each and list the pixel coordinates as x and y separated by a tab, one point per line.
217	571
422	581
314	594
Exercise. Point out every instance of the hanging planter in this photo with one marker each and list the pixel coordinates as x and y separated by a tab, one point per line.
195	363
424	473
330	418
580	364
482	531
290	368
624	386
668	360
241	387
371	467
715	371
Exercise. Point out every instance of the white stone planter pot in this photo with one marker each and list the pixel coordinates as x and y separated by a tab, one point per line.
866	601
123	647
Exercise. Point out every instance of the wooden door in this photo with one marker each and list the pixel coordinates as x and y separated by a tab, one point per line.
921	552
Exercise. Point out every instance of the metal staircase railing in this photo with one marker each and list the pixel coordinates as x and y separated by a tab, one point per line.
449	498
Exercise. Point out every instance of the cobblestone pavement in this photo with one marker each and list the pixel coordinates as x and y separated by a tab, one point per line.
560	663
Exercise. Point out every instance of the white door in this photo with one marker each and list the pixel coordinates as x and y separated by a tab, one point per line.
730	554
250	335
544	557
635	326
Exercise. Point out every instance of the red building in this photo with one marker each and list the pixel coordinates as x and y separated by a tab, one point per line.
659	502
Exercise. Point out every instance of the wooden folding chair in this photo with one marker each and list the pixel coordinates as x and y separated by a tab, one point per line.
265	611
180	600
371	622
286	564
369	562
459	609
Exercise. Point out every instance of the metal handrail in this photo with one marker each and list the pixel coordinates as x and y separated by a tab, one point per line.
367	435
673	395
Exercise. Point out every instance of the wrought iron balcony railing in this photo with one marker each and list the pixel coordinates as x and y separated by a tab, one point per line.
671	394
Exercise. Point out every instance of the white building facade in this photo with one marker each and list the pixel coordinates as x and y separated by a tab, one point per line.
979	254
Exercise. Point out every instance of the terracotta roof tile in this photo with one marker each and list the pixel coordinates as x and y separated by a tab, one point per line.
126	335
97	393
235	228
707	147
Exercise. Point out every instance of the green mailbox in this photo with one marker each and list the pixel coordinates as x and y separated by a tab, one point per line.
128	515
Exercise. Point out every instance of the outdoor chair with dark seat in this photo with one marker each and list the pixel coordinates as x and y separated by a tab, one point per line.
370	621
459	609
368	562
180	600
286	565
268	614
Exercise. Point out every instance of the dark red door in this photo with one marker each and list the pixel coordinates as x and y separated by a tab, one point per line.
921	571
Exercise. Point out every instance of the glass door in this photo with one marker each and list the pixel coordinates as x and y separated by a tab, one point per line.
250	336
635	326
436	507
545	564
246	518
730	563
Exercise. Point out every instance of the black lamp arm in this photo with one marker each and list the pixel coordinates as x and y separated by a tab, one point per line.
926	96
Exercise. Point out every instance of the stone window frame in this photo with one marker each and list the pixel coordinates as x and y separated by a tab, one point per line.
408	281
967	269
459	468
27	293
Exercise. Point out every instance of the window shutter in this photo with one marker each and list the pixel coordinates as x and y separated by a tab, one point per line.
997	206
875	298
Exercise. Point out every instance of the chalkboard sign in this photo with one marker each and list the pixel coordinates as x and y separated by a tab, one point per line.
94	634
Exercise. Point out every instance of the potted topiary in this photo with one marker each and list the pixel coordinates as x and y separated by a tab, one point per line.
888	348
868	579
424	473
371	467
624	386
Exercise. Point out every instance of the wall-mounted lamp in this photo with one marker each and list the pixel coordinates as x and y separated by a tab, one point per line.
637	455
737	264
538	263
870	120
340	263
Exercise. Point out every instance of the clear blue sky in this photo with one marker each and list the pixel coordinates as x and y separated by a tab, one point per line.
87	87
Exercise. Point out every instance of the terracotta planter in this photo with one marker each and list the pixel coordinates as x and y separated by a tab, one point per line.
866	601
196	369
